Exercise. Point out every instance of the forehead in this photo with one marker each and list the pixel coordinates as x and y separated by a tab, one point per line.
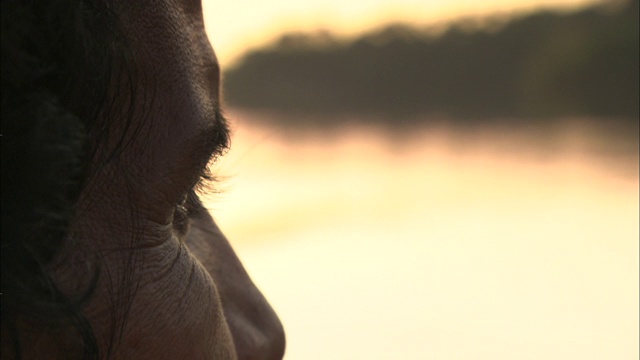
176	97
175	66
169	32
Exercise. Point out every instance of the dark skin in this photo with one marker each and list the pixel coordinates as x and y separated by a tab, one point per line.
190	297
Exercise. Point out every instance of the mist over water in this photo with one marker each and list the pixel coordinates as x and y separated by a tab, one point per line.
440	242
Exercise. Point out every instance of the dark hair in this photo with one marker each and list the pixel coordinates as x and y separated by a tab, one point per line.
60	59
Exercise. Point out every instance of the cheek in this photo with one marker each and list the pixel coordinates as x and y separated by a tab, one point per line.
255	327
177	313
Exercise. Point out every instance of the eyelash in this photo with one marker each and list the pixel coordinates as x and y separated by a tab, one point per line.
206	183
191	203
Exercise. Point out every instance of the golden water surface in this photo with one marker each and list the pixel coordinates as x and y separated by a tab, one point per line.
437	243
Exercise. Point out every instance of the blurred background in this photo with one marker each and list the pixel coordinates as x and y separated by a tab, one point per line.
435	179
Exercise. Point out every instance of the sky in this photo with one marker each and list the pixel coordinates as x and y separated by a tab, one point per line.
544	243
236	26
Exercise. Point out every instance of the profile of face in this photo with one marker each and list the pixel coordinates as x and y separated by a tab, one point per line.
170	285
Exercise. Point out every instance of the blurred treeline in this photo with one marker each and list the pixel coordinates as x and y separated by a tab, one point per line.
540	66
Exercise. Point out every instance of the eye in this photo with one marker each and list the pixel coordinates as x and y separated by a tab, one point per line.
188	206
181	217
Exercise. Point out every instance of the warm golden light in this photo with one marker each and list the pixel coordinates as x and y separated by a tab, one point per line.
438	245
444	242
236	26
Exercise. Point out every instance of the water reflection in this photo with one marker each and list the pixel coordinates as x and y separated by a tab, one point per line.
440	244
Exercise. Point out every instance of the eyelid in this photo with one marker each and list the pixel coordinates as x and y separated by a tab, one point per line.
221	134
211	144
189	206
214	144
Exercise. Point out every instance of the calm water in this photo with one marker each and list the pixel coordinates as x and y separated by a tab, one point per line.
440	244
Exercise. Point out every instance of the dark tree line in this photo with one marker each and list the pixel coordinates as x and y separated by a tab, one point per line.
541	66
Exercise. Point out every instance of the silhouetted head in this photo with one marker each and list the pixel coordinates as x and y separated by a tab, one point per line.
110	115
